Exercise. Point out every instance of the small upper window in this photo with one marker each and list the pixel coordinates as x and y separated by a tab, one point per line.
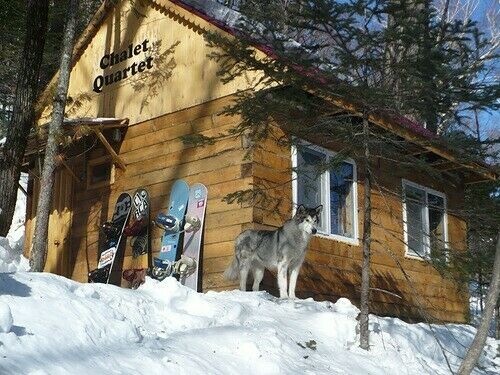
334	188
100	172
424	220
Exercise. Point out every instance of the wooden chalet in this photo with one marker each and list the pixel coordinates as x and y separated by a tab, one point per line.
141	81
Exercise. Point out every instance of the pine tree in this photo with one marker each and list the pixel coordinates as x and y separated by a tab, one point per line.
477	345
35	69
12	14
23	110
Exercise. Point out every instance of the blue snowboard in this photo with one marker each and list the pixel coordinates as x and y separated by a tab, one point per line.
170	248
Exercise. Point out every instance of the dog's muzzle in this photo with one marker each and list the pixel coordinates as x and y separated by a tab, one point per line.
314	231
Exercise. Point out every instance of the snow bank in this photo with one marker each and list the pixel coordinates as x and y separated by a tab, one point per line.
52	325
11	247
64	327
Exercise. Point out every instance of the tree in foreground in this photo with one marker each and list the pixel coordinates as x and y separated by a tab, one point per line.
23	115
13	27
39	251
476	348
378	56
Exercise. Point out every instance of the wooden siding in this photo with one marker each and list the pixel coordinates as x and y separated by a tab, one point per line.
60	221
333	268
182	75
155	157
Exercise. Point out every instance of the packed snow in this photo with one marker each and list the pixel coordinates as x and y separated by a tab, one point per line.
11	247
50	325
64	327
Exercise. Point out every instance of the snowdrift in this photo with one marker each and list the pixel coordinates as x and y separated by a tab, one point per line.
50	325
11	247
57	326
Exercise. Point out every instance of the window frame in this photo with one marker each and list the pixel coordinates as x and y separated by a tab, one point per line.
427	248
325	192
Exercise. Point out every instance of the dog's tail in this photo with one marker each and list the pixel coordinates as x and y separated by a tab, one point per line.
232	272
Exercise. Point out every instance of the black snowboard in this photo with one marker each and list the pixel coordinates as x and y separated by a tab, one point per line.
138	231
114	233
138	227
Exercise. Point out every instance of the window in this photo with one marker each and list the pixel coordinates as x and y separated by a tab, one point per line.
100	172
424	221
334	188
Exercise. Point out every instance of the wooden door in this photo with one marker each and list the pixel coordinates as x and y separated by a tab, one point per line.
60	220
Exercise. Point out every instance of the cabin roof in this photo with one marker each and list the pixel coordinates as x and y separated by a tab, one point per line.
225	19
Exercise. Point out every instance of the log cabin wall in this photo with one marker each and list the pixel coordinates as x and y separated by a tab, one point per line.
156	156
180	93
333	268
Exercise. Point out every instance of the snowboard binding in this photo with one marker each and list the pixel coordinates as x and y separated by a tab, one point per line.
136	277
136	228
161	269
110	230
168	223
192	224
184	266
139	246
99	275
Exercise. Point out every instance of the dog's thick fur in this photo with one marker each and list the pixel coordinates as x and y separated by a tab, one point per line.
282	249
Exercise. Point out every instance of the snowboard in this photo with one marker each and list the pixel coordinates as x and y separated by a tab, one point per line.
188	267
138	232
172	225
113	231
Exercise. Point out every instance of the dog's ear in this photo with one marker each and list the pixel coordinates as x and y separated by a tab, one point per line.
319	209
300	210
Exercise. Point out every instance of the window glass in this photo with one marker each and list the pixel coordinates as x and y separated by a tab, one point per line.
309	179
436	223
415	220
342	200
100	173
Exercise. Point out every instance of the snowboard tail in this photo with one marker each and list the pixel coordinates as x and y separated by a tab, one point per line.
189	264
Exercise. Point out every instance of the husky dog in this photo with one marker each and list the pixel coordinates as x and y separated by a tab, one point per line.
281	249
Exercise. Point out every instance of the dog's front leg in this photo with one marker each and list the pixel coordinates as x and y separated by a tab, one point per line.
282	273
243	277
258	274
293	281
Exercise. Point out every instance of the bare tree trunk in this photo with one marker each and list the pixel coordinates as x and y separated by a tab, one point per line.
39	251
24	109
364	337
477	345
497	322
481	291
476	120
